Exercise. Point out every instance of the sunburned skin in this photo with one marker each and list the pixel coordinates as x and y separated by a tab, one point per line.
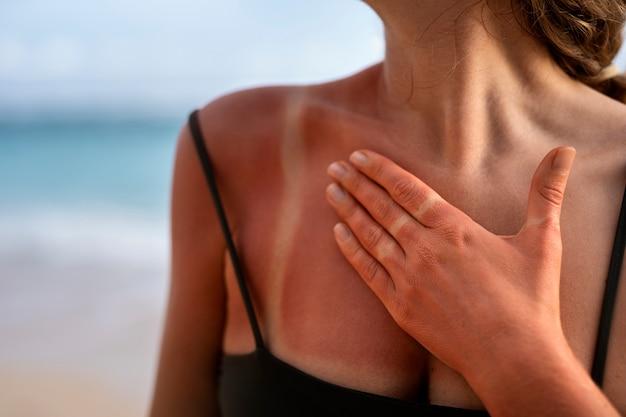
397	225
316	313
292	164
430	201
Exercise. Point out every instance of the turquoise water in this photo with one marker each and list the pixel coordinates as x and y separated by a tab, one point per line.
84	251
73	164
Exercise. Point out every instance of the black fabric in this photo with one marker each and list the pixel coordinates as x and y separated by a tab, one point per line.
207	167
261	384
610	292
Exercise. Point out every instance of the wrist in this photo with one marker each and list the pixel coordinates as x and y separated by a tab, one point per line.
547	380
511	365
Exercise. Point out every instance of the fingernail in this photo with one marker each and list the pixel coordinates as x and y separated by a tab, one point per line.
359	158
336	193
342	231
563	158
337	169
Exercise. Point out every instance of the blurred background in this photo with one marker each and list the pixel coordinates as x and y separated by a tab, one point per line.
92	95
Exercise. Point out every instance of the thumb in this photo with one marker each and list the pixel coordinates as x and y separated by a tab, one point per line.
548	189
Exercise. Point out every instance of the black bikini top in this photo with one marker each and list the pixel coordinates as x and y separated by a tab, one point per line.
260	384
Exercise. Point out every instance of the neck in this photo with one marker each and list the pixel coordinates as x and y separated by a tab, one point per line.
459	73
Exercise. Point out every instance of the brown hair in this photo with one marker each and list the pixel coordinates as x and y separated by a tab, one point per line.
583	36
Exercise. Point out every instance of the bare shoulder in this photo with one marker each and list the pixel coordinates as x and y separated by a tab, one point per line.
245	131
237	123
250	115
601	141
242	131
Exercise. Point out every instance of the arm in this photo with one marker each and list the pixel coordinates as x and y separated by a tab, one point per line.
185	383
539	380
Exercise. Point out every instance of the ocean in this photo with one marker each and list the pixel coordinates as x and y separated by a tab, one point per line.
83	263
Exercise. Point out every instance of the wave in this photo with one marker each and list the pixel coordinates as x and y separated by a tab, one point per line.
89	236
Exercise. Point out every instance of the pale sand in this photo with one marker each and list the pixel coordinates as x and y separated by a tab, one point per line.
50	393
79	340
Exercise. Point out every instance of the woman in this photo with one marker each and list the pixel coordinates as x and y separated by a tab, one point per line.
471	100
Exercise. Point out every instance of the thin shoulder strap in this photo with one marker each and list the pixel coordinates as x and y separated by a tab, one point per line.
207	166
610	292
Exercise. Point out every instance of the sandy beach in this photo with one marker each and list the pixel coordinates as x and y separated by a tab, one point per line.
80	326
83	265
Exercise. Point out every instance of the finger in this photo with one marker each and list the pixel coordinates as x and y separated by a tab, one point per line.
402	226
418	199
371	235
547	189
372	272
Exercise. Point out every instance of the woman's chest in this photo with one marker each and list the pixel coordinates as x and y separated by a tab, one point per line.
318	315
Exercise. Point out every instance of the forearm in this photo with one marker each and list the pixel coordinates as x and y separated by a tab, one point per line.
549	381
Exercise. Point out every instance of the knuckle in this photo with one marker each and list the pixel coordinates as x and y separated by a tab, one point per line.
552	192
456	235
405	191
452	234
373	236
468	237
552	195
371	268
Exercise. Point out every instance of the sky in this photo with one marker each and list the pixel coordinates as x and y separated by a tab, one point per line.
158	56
